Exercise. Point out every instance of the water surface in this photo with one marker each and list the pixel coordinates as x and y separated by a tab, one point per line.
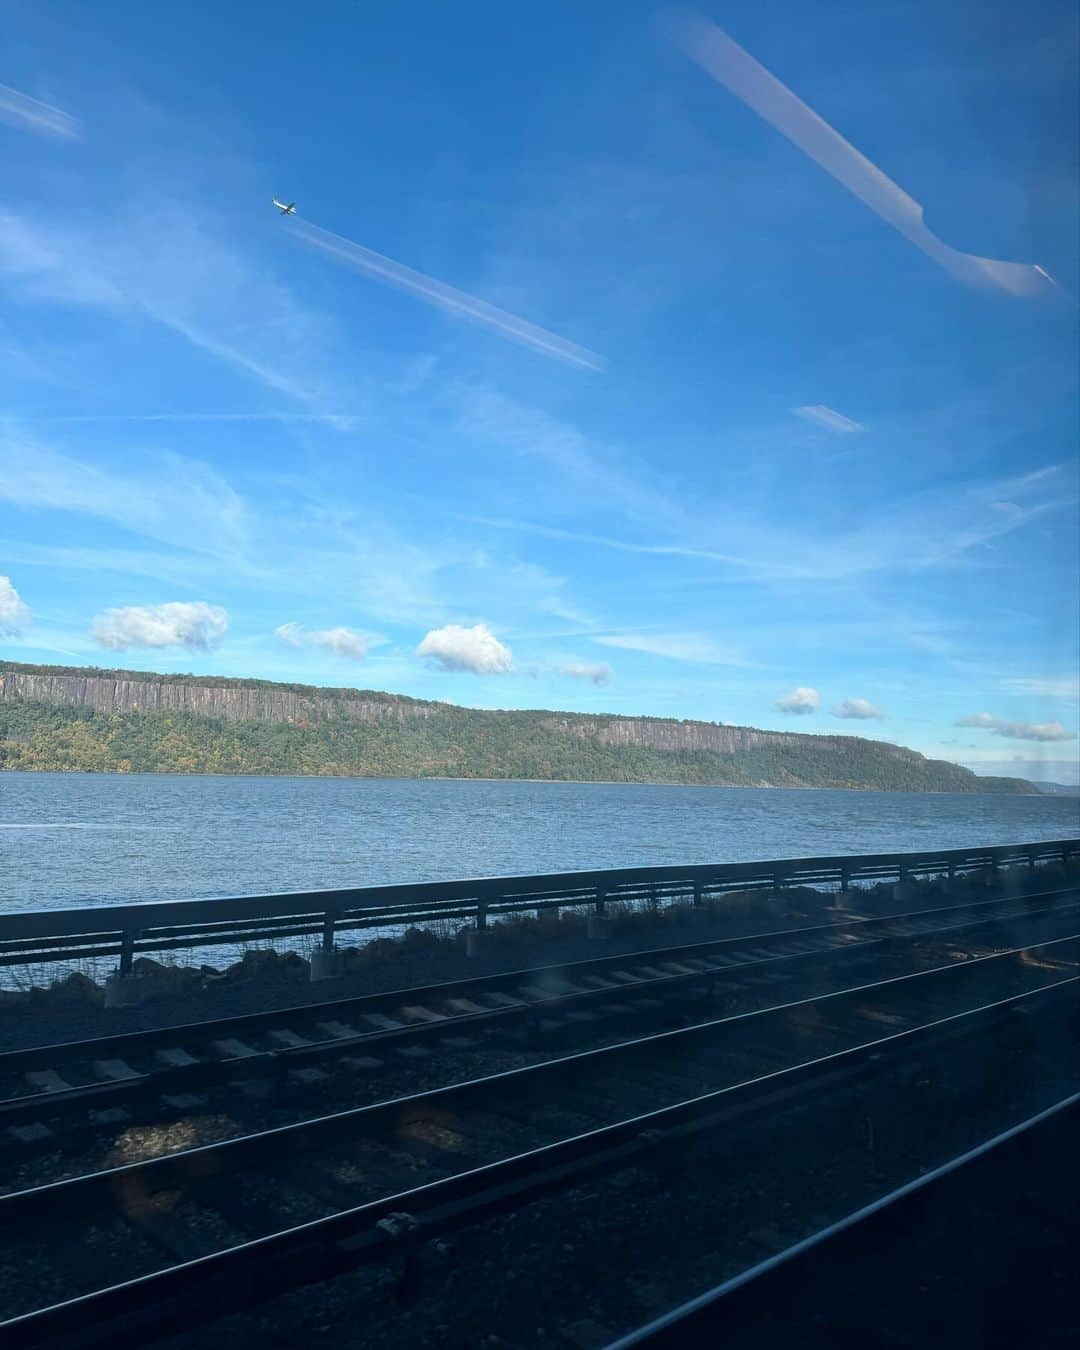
68	839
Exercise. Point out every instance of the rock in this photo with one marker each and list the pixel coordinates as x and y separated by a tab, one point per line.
76	988
158	979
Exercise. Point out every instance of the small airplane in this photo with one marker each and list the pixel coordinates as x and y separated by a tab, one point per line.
286	208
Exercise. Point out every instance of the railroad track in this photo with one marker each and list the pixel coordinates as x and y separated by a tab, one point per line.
194	1233
59	1096
809	1289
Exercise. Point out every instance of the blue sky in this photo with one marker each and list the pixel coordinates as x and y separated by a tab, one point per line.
770	461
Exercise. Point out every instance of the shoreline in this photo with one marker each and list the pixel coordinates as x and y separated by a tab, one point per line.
561	782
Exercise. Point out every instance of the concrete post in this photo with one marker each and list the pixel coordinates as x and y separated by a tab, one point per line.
324	959
123	988
598	925
476	940
903	890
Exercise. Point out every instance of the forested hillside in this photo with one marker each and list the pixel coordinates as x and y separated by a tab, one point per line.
301	730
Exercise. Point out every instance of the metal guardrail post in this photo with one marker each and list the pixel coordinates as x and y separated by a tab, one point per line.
845	878
127	952
699	892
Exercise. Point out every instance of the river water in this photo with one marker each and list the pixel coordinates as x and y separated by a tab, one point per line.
72	839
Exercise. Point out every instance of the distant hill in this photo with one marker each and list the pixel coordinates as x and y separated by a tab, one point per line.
1059	789
84	718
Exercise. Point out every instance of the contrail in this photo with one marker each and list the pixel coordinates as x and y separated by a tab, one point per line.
437	293
20	110
712	49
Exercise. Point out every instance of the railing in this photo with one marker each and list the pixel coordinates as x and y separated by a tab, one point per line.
126	931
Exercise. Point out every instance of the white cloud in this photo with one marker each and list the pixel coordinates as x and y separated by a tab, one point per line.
193	625
30	114
1017	731
341	641
475	649
800	701
14	612
600	673
858	708
828	418
692	647
291	633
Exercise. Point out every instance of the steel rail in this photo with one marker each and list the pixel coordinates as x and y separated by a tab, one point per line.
196	1291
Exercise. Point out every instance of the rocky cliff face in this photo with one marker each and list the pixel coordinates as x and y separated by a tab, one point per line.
661	734
120	693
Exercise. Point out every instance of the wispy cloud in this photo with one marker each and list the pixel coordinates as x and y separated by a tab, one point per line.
174	500
163	262
920	532
344	642
691	647
828	418
858	709
1060	686
14	611
800	702
30	114
442	296
712	49
193	625
320	419
599	673
475	649
1017	731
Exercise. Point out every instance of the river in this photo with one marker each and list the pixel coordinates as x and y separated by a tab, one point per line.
72	839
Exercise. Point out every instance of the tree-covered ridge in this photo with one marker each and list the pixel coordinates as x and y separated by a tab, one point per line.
450	742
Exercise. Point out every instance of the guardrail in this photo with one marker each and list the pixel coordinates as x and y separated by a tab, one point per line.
126	931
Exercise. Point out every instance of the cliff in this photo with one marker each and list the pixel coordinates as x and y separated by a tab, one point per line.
56	717
131	691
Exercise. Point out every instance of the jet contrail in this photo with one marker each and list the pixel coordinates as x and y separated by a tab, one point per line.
20	110
712	49
373	264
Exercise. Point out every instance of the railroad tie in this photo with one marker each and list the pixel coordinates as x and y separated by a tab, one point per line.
336	1030
465	1005
47	1080
380	1022
116	1069
175	1058
416	1012
287	1038
231	1048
